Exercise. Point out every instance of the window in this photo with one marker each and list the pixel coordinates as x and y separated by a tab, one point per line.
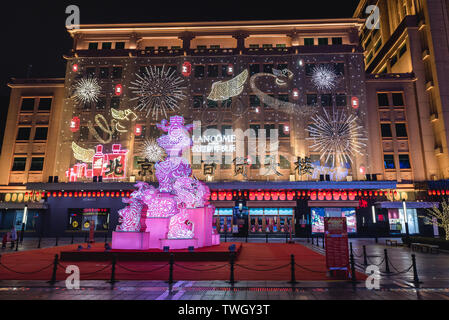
268	128
393	61
27	104
199	71
323	41
120	45
341	100
378	45
282	66
281	45
284	163
398	99
226	103
107	46
212	71
197	102
401	130
389	162
256	129
224	71
385	128
84	133
309	41
91	71
254	69
403	50
117	72
382	99
284	130
37	164
309	69
212	104
339	69
215	46
41	133
23	134
104	73
267	46
268	68
326	100
149	48
115	103
176	47
283	97
45	104
404	161
162	48
93	46
254	46
201	47
337	41
254	101
101	104
142	134
312	99
19	164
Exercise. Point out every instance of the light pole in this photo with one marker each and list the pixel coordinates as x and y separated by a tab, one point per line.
373	210
404	208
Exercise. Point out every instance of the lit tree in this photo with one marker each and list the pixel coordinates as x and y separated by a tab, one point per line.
441	217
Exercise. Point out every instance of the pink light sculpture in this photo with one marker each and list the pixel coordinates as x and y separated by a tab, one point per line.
178	213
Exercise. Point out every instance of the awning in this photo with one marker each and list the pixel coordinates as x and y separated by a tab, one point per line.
19	206
410	205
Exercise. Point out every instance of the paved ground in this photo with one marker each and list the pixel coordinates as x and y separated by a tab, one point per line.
432	269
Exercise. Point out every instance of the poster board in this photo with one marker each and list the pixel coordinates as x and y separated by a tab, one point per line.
336	240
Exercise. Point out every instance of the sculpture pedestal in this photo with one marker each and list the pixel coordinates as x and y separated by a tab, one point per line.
157	229
178	244
130	241
202	221
215	239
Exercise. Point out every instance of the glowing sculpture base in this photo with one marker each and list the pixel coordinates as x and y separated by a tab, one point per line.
178	244
130	240
157	228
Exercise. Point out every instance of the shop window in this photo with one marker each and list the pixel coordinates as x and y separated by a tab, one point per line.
326	100
198	101
19	164
254	69
117	72
386	130
389	162
323	41
27	104
337	41
398	99
212	71
199	71
104	73
403	50
382	99
404	161
10	218
93	46
309	41
312	99
82	219
119	45
37	164
401	130
23	134
45	104
341	100
106	46
41	133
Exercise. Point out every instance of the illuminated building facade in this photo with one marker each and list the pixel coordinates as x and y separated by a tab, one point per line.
343	130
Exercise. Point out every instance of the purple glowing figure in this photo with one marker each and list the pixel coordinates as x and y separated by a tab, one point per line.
129	217
159	205
191	192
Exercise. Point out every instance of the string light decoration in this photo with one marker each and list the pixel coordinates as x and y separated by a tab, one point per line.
87	90
324	77
158	91
152	151
81	154
224	90
337	137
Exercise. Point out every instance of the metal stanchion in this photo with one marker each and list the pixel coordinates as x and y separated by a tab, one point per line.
57	240
232	262
323	240
353	272
170	272
293	276
72	238
226	236
266	237
55	268
112	281
415	271
350	248
17	245
365	260
387	265
39	243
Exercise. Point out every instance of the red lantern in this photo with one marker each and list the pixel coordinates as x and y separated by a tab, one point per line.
230	69
355	102
370	193
84	194
102	194
186	69
127	194
75	124
438	193
59	194
118	90
295	94
65	194
138	130
434	192
75	68
75	194
123	194
70	194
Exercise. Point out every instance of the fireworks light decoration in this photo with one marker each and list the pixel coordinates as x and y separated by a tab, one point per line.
158	91
324	77
152	151
337	137
87	90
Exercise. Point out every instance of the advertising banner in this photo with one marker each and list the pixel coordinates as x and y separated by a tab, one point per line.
336	243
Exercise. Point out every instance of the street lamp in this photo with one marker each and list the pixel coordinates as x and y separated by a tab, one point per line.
373	210
404	208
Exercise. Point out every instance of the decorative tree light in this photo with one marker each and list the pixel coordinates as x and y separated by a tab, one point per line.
286	129
118	90
75	124
230	69
295	94
324	77
186	69
355	102
87	90
301	62
158	91
336	137
152	151
75	68
138	130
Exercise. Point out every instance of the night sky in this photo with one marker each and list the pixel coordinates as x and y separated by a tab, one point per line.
33	32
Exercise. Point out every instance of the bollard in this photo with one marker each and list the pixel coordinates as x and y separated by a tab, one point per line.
55	268
353	273
17	245
293	277
266	237
57	239
365	260
350	247
246	238
376	240
323	240
72	239
308	240
231	276
415	271
286	238
112	281
39	243
170	273
105	238
387	265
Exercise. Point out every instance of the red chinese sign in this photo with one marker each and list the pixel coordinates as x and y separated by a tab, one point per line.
336	237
